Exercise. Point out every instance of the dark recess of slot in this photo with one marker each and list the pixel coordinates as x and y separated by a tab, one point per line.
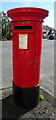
23	27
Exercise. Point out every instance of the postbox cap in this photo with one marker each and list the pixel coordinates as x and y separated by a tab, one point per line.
27	13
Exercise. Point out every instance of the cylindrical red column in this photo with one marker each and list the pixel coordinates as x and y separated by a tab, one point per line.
27	46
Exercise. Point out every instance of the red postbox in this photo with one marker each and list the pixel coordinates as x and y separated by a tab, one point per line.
27	45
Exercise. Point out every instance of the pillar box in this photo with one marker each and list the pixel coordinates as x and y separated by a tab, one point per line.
27	47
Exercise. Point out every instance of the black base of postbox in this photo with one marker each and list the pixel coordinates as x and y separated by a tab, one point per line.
26	97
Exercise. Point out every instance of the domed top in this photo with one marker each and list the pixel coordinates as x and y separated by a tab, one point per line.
27	13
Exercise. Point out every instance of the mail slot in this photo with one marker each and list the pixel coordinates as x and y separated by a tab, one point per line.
23	27
27	47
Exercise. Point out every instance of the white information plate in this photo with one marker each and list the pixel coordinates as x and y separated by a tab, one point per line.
23	41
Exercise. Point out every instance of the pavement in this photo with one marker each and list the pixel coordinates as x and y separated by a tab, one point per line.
46	109
47	67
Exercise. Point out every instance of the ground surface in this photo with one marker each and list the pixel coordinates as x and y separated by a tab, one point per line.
45	110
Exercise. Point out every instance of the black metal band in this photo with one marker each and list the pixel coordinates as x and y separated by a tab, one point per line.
26	97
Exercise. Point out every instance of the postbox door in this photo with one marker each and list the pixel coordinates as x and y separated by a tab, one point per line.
26	60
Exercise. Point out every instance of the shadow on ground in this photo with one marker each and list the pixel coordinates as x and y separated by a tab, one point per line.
45	108
11	110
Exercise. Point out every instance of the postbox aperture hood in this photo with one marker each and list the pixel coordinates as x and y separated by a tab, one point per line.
27	13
